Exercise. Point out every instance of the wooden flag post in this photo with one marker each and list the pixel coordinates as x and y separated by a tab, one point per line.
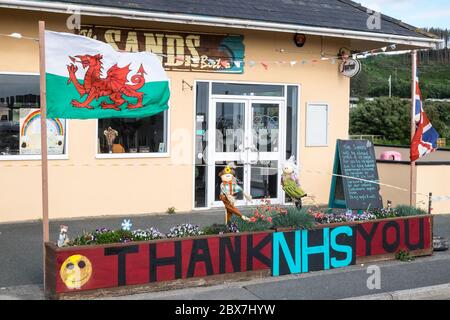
44	155
413	171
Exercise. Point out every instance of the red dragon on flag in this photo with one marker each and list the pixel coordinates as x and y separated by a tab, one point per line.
113	86
89	79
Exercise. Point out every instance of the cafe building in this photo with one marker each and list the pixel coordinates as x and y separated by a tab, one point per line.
251	83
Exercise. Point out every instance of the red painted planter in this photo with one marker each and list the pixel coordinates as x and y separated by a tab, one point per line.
155	264
176	263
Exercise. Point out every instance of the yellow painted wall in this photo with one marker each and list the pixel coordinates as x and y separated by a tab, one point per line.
434	179
396	175
84	186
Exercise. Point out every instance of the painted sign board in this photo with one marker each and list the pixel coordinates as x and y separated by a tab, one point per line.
351	68
30	133
302	251
116	266
355	159
178	51
73	269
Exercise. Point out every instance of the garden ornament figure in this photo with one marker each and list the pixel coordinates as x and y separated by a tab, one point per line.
63	239
229	189
110	135
291	183
126	225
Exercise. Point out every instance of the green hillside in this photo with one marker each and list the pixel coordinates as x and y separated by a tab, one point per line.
434	75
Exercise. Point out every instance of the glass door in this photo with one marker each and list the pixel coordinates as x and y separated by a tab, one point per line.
227	144
264	154
247	132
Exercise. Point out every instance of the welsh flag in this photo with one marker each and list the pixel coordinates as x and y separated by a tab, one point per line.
88	79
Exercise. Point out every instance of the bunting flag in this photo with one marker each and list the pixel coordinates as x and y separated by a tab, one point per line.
426	137
88	79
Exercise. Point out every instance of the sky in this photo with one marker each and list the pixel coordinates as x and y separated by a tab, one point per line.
419	13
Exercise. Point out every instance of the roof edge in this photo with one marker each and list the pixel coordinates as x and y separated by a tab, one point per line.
92	10
390	19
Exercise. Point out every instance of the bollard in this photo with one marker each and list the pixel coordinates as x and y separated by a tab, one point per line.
430	202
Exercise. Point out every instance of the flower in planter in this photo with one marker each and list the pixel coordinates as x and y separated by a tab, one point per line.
184	230
232	227
102	230
126	225
147	234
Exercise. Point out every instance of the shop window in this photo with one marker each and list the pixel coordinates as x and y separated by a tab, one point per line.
316	125
134	135
20	124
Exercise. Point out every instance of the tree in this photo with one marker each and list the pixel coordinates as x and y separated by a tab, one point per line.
390	118
386	117
439	115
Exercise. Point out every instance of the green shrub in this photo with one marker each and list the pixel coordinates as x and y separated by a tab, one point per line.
406	211
404	256
83	240
171	210
294	218
215	229
248	226
383	213
102	236
112	236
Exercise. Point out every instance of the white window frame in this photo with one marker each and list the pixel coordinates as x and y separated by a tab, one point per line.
312	105
138	155
26	157
211	96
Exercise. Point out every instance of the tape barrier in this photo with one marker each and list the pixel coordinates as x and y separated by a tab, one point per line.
440	198
435	198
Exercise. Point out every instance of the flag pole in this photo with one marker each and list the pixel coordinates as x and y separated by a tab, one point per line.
413	171
44	156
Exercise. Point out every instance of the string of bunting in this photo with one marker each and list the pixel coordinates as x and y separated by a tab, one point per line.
225	63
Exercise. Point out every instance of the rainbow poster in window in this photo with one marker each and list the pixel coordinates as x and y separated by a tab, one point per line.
30	133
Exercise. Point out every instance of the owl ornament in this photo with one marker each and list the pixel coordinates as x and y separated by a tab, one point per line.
291	183
229	189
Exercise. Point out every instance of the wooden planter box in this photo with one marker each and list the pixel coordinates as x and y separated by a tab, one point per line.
117	269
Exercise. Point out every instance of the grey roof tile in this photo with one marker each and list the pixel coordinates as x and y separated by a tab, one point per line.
338	14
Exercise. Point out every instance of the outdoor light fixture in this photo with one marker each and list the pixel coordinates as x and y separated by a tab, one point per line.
299	39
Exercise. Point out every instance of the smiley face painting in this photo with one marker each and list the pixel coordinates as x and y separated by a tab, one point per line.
76	271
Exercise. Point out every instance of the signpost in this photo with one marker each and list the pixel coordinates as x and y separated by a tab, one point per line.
44	155
354	167
413	171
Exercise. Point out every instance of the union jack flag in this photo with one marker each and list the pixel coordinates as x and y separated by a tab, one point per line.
426	137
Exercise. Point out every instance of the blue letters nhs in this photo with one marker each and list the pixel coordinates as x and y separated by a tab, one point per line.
312	250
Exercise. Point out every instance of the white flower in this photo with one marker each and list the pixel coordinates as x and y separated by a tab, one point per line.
126	225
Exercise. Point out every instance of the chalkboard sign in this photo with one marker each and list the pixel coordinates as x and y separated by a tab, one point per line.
356	159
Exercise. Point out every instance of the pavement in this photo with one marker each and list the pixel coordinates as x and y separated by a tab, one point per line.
428	277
